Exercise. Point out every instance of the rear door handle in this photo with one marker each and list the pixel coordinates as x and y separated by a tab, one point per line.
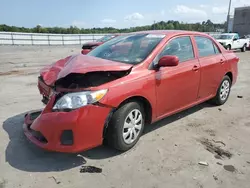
195	68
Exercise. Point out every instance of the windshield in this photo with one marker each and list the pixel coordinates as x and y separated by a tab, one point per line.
131	49
105	38
215	36
225	37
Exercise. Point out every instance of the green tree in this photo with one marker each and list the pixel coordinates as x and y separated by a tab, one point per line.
204	26
38	29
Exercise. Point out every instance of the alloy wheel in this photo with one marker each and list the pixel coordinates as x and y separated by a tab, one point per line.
132	126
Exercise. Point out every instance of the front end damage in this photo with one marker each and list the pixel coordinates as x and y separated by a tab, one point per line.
68	132
71	130
78	82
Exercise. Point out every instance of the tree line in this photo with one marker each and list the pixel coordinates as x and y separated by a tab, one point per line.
205	26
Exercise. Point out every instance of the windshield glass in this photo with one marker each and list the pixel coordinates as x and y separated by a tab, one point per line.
215	36
225	37
131	49
105	38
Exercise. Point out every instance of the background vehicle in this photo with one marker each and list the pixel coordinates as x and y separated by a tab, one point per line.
87	47
216	36
119	87
248	37
232	41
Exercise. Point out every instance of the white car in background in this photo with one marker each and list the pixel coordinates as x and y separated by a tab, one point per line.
248	37
232	41
215	36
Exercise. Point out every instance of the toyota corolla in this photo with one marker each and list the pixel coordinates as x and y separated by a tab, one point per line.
126	83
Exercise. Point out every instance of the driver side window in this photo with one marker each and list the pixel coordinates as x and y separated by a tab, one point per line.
236	37
181	47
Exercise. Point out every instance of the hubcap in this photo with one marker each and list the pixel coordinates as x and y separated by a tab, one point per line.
224	90
132	126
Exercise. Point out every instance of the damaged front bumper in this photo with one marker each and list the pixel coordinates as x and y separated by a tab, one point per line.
70	132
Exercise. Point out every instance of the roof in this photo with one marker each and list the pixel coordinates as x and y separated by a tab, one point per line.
171	32
228	33
242	8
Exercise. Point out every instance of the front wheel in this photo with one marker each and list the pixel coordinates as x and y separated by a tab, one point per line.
223	91
126	126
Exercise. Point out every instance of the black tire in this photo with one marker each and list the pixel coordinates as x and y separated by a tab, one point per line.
228	47
217	100
116	125
244	48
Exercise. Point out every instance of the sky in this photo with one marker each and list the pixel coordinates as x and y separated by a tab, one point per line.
111	13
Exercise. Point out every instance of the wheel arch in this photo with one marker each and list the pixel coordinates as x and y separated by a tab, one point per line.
144	102
230	75
141	100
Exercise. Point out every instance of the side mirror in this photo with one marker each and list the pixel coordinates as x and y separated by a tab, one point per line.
85	51
168	61
235	39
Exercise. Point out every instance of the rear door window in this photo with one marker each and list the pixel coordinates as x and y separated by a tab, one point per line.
206	46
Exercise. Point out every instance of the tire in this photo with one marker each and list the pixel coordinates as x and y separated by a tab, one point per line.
244	48
220	99
117	130
228	47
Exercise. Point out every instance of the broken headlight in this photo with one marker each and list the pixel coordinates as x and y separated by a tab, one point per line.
79	99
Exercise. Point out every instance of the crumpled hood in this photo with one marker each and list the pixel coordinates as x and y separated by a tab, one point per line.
79	64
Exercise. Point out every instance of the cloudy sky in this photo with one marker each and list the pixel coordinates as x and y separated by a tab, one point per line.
114	13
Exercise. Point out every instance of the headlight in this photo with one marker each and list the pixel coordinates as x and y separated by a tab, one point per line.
79	99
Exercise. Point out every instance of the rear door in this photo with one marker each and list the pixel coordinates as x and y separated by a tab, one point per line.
212	66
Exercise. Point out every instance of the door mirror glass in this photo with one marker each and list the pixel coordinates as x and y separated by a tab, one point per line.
168	61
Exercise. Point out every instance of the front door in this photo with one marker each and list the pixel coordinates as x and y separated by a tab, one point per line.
236	42
177	87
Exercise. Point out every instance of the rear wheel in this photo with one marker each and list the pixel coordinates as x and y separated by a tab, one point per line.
228	47
244	48
223	91
126	126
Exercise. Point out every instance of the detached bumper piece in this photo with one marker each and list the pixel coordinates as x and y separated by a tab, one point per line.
29	119
38	135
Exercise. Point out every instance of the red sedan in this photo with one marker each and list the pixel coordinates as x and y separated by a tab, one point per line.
125	84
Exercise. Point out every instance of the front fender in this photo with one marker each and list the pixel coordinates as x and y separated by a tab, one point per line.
141	87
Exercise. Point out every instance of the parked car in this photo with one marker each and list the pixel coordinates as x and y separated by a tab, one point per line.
216	36
111	93
87	47
232	41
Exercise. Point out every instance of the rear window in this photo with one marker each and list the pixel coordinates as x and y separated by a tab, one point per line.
206	47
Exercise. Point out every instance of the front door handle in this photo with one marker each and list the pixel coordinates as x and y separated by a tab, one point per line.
195	68
222	61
